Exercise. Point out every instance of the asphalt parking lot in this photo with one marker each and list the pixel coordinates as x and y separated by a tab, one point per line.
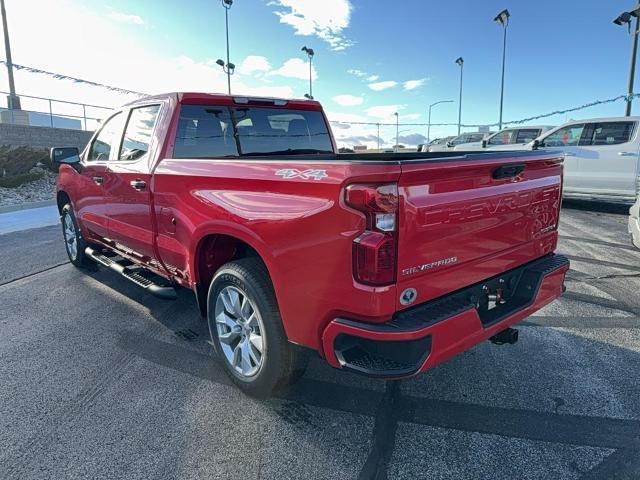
100	380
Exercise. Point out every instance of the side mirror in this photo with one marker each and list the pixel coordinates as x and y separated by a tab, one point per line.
484	144
449	144
535	145
67	155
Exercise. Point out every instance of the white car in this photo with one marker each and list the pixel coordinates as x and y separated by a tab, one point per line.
507	138
459	140
601	157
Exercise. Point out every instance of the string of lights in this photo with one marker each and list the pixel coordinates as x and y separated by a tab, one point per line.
626	98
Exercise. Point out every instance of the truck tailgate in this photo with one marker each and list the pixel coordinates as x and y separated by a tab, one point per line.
465	220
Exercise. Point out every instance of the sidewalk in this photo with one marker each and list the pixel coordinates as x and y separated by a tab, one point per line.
25	219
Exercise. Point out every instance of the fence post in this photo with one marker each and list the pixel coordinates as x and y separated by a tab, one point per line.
50	114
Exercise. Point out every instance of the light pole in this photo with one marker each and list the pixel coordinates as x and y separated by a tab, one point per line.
378	135
310	53
625	18
503	19
460	62
429	120
227	69
397	132
13	101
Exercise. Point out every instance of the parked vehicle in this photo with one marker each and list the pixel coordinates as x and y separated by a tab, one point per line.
601	157
385	264
634	222
506	139
460	139
436	141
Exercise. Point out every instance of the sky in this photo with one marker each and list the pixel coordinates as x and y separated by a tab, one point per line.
372	57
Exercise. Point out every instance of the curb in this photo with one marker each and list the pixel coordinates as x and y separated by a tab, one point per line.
27	206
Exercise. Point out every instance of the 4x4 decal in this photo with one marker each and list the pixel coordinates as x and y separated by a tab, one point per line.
305	174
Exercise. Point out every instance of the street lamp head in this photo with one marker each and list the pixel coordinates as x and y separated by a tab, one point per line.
503	17
308	51
227	3
623	19
220	62
231	66
460	61
308	97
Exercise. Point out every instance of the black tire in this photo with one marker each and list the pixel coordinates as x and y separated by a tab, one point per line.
282	362
77	257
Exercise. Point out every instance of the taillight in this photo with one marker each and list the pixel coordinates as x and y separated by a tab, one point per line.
374	250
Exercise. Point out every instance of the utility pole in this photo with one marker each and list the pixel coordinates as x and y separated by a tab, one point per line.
397	132
310	53
378	135
429	121
625	19
13	101
460	62
503	19
229	71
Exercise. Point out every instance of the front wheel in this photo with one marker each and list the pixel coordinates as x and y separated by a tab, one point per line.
246	329
73	241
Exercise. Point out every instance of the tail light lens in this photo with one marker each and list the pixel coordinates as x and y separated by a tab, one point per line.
374	250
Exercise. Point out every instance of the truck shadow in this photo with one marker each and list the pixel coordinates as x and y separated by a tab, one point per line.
540	390
596	206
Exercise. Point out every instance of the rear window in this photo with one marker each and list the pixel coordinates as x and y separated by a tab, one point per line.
609	133
208	131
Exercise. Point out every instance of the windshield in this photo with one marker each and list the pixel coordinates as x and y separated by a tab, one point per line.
208	131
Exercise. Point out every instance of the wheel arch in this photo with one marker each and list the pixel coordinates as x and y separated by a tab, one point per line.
62	198
213	250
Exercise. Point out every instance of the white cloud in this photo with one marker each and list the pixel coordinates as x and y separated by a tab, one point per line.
357	73
254	64
372	78
325	19
348	100
109	56
413	84
125	18
295	68
410	116
383	85
383	111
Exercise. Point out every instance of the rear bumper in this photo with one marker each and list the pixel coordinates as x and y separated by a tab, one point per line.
428	334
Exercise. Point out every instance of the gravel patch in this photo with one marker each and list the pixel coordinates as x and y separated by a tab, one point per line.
42	189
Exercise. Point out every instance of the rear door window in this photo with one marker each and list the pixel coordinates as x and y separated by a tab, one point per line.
526	135
504	137
609	133
204	132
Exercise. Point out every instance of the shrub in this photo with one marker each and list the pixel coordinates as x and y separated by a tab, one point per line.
20	160
20	179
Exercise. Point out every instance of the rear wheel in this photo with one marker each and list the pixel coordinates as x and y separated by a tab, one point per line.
73	241
246	329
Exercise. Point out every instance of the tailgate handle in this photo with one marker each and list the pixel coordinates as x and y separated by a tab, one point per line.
508	171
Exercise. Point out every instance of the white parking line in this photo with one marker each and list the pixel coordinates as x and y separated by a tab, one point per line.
25	219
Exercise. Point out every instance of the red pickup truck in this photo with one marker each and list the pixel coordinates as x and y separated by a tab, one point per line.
385	264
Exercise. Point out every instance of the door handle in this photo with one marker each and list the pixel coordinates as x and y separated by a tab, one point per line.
568	154
627	154
98	180
138	184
